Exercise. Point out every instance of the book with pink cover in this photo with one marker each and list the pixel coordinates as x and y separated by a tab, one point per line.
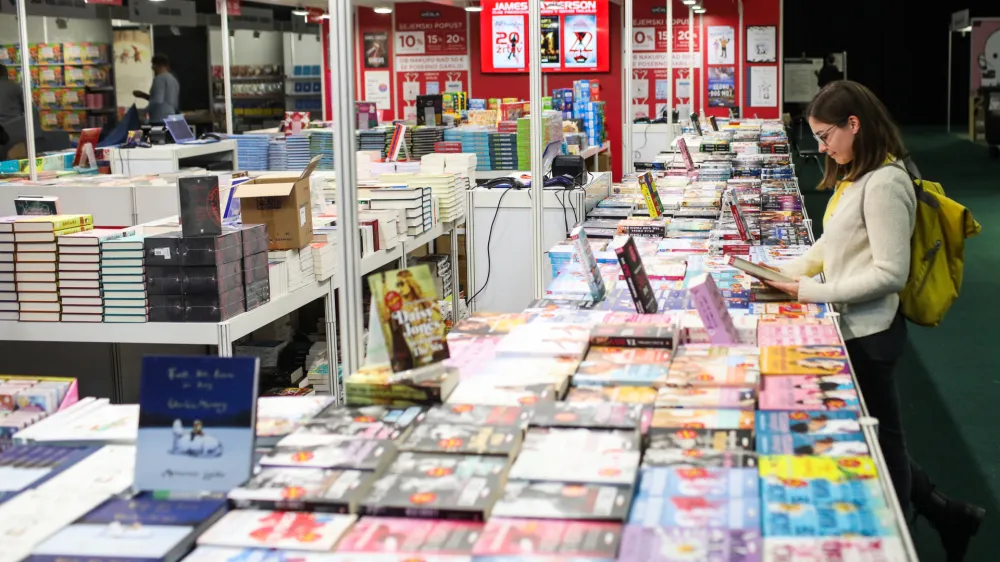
771	333
806	393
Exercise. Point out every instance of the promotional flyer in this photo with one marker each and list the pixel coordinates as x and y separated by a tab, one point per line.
431	48
575	36
650	84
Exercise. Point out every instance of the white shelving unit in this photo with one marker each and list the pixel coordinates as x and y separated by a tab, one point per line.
224	334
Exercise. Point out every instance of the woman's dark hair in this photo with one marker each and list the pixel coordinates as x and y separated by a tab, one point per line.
161	60
877	138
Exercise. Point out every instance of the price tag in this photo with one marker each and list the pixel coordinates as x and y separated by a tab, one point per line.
410	43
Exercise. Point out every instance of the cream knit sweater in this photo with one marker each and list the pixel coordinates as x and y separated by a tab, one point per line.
864	252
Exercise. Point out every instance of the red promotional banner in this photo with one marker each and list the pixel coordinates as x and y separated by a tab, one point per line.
650	83
575	36
232	7
430	52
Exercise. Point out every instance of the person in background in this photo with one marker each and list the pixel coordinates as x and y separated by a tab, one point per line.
829	72
11	97
864	254
164	93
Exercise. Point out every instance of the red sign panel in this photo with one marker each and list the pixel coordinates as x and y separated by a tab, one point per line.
430	50
575	36
232	7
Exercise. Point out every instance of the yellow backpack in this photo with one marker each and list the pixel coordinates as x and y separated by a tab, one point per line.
937	254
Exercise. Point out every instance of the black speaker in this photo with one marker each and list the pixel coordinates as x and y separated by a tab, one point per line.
570	165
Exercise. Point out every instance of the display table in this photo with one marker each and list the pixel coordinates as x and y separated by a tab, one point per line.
502	256
168	158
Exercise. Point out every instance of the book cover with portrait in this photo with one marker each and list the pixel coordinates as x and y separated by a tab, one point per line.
410	316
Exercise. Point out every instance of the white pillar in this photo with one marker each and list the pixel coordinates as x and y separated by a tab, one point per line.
740	65
226	78
343	98
692	89
537	145
627	38
670	63
29	114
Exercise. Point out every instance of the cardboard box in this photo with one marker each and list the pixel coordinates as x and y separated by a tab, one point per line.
281	203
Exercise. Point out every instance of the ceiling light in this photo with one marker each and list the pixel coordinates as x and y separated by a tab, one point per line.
699	11
690	2
300	12
383	10
474	6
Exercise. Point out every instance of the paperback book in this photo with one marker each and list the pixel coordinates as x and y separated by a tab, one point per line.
303	489
556	500
294	530
410	316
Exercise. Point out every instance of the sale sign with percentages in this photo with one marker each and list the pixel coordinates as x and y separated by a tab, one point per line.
574	36
651	85
431	52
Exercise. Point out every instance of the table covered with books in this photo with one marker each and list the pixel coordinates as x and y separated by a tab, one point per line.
657	404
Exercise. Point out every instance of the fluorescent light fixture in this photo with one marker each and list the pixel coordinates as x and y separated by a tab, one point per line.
699	11
382	10
300	12
690	2
474	6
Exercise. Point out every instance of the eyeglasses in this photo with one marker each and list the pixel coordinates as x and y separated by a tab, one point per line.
824	136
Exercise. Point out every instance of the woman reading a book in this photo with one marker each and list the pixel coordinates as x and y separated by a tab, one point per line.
864	254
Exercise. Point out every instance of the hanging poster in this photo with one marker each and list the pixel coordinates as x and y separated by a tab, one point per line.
721	47
761	43
985	53
721	86
377	89
132	56
649	46
430	53
575	36
376	49
763	86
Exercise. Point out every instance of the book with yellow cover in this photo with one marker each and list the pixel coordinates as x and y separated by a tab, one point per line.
804	360
789	467
51	223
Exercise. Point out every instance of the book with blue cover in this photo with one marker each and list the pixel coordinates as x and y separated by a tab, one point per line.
691	481
811	422
838	519
820	491
28	466
147	510
196	423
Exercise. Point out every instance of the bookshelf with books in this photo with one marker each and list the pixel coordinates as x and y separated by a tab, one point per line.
72	83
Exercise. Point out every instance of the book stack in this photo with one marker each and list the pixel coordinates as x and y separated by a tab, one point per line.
298	266
505	151
277	277
80	253
8	284
277	155
320	144
194	279
297	148
123	279
252	151
36	256
448	192
256	285
374	140
441	271
413	204
324	259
